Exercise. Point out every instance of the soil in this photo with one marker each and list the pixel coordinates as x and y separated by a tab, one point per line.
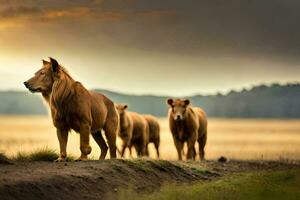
104	179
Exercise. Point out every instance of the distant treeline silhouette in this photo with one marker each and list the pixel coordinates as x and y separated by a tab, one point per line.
275	101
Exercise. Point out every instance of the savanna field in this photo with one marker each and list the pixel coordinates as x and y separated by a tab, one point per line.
263	164
242	139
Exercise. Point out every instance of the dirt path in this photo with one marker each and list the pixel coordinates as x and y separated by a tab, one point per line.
104	179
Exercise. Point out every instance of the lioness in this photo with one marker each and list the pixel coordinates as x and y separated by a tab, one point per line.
154	132
74	107
187	124
133	131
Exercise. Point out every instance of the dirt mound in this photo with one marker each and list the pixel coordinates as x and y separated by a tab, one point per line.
92	179
104	179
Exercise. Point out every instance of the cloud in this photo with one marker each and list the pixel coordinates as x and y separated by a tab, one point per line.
19	15
157	15
67	13
13	17
208	40
6	24
19	11
187	27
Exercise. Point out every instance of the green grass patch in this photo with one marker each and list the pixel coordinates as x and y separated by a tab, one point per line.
139	164
43	154
248	186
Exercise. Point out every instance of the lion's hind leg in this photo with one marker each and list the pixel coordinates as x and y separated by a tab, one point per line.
101	143
110	130
202	143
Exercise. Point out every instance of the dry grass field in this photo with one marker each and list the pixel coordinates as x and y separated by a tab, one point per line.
26	176
233	138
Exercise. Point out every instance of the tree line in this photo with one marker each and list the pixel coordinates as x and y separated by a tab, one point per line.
273	101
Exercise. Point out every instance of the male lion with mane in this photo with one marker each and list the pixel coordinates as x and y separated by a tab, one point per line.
74	107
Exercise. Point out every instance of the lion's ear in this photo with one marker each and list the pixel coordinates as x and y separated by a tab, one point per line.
186	102
54	65
170	102
45	62
125	106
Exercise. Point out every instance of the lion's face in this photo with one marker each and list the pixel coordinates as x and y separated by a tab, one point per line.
43	79
178	108
121	108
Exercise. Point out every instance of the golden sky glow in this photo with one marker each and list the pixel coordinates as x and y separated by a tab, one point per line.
157	47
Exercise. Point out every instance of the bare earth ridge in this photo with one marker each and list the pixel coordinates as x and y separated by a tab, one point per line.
104	179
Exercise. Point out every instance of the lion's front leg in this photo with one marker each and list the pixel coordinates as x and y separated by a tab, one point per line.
62	136
191	152
179	146
85	147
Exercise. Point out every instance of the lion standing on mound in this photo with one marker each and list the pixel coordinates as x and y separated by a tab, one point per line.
74	107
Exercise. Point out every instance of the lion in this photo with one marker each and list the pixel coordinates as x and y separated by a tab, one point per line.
154	132
133	131
74	107
187	124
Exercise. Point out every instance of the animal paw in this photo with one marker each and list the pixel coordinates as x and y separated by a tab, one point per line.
81	159
60	159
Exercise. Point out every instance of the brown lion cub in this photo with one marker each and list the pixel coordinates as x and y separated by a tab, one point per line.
74	107
187	124
154	132
133	131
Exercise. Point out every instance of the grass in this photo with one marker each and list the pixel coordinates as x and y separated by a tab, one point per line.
261	139
247	186
139	164
43	154
4	159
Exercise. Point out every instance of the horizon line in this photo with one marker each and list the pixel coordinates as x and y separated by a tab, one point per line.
247	88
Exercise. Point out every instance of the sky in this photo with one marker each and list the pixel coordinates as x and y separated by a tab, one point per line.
169	47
